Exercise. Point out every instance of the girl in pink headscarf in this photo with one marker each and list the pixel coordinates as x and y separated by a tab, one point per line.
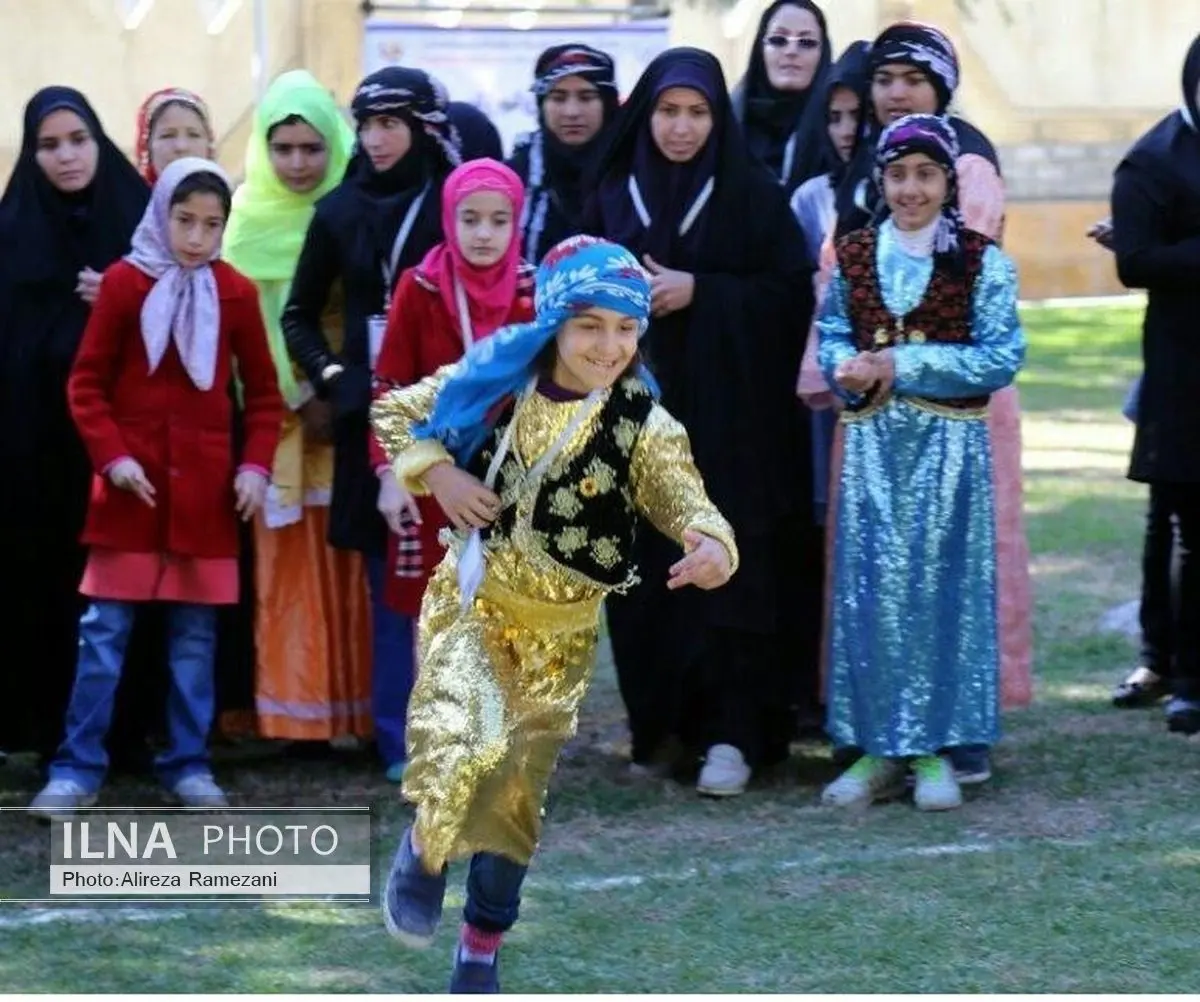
467	287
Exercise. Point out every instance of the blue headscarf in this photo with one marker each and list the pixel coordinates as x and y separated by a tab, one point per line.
580	273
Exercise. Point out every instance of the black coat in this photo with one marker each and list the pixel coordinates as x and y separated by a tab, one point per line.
1156	238
346	241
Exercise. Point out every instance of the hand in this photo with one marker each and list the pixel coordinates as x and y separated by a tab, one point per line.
467	502
88	288
883	370
705	566
128	475
395	503
1102	233
250	486
855	375
670	290
317	418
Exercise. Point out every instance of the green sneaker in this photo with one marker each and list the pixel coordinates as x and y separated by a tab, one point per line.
937	789
868	780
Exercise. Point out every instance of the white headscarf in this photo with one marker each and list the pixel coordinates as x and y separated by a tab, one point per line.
184	303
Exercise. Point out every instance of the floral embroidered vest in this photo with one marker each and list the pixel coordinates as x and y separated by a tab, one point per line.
584	514
942	316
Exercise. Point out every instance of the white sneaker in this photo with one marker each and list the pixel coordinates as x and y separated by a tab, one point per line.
725	772
199	790
868	780
937	788
59	798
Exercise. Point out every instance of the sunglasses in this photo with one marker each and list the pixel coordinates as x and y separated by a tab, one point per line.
785	41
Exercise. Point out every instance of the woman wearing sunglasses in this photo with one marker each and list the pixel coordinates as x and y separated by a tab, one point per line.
784	125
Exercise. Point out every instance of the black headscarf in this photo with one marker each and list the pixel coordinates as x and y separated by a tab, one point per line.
421	101
553	171
930	50
1169	148
668	190
58	234
851	71
774	120
478	133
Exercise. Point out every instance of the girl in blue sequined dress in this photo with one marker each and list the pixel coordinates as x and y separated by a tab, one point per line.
919	328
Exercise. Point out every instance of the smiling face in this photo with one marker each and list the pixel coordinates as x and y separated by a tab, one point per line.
195	227
792	48
844	114
483	227
594	348
899	89
299	156
67	151
681	123
573	111
385	139
915	187
177	132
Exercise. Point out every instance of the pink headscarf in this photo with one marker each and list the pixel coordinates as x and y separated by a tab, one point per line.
490	291
184	305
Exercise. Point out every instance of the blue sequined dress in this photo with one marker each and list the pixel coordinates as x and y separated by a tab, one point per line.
913	650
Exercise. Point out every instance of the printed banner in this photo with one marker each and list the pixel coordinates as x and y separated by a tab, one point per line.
234	853
492	68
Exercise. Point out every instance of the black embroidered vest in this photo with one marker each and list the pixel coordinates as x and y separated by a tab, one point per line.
943	314
584	513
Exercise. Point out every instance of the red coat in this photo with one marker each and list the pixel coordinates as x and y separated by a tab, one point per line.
182	436
421	337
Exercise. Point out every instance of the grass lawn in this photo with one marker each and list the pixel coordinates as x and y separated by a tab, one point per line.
1075	870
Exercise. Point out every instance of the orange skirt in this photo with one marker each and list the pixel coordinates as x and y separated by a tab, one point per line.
312	632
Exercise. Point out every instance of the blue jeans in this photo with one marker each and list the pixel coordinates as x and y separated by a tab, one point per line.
392	658
493	892
103	637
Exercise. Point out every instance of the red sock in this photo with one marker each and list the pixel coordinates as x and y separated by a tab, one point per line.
478	945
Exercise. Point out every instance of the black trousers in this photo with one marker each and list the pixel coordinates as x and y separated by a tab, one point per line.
1183	502
1159	606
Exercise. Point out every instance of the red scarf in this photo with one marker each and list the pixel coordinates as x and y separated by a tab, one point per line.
490	291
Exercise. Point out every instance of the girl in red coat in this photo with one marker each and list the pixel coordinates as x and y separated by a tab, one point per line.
149	395
468	286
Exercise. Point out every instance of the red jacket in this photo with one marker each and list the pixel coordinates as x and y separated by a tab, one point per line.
421	337
182	436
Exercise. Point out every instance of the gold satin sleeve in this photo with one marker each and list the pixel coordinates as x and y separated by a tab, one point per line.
393	416
668	489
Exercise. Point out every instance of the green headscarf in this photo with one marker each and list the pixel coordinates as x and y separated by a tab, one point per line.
268	223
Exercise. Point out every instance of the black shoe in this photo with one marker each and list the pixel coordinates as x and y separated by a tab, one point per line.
1183	716
1144	687
472	977
412	898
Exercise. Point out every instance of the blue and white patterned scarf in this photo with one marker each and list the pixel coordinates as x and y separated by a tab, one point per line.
580	273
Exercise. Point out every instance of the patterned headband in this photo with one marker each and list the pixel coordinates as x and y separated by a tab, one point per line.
923	46
574	61
420	98
935	137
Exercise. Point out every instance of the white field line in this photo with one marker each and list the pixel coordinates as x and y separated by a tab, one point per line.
595	884
812	862
54	916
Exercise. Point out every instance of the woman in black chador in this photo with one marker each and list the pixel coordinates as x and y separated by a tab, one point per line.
732	299
69	211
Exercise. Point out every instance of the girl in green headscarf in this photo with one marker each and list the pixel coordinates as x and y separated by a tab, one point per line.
312	621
